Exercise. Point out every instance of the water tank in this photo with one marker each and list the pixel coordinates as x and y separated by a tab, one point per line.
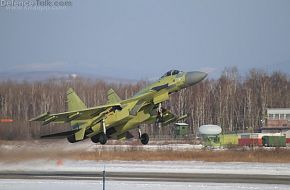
210	130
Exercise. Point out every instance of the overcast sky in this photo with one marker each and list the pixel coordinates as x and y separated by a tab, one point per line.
142	39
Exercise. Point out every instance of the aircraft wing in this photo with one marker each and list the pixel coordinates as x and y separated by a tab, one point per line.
61	134
75	115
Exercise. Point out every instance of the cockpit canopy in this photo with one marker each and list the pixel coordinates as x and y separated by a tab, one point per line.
171	72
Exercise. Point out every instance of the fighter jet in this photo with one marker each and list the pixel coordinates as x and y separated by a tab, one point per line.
115	119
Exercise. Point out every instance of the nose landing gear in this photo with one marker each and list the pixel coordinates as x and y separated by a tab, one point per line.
144	138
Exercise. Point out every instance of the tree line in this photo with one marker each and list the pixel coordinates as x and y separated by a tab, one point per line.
234	102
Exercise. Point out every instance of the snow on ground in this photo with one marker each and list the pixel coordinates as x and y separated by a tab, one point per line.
42	164
43	149
88	146
149	166
127	185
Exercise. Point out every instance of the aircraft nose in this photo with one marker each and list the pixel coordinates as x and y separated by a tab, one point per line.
194	77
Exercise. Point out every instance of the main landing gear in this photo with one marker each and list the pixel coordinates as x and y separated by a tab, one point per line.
144	138
159	117
71	139
101	137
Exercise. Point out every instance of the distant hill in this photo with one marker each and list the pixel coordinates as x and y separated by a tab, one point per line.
45	75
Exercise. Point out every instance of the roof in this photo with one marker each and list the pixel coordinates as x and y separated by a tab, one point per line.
274	128
278	110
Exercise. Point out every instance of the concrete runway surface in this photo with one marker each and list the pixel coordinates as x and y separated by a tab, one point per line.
150	177
158	175
36	184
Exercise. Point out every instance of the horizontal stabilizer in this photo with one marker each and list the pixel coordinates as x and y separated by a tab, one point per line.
62	134
41	117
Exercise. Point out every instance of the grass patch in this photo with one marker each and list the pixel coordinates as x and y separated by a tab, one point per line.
17	151
270	156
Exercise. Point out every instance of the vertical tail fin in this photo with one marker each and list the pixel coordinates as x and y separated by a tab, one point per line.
113	97
73	101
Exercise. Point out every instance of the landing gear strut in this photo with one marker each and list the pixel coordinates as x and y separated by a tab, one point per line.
103	137
144	138
159	110
159	117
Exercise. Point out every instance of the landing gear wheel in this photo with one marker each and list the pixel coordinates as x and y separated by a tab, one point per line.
71	139
103	138
144	138
95	139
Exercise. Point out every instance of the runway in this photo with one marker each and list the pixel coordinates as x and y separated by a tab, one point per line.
143	175
148	176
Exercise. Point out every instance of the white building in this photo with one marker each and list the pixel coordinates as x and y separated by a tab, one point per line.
277	120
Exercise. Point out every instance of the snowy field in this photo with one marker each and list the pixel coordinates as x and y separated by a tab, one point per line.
44	163
128	185
88	146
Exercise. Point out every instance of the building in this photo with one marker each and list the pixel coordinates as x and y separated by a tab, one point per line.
278	117
278	121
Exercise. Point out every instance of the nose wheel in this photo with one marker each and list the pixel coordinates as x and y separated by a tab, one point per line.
144	138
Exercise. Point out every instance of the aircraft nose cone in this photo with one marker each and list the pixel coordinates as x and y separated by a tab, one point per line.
194	77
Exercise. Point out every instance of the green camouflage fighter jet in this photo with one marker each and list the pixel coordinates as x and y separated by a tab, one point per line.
117	117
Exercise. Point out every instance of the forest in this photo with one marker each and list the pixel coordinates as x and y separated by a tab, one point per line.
236	103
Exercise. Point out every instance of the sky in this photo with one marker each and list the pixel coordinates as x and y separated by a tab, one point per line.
142	39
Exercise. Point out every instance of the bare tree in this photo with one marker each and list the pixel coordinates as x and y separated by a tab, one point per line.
236	103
